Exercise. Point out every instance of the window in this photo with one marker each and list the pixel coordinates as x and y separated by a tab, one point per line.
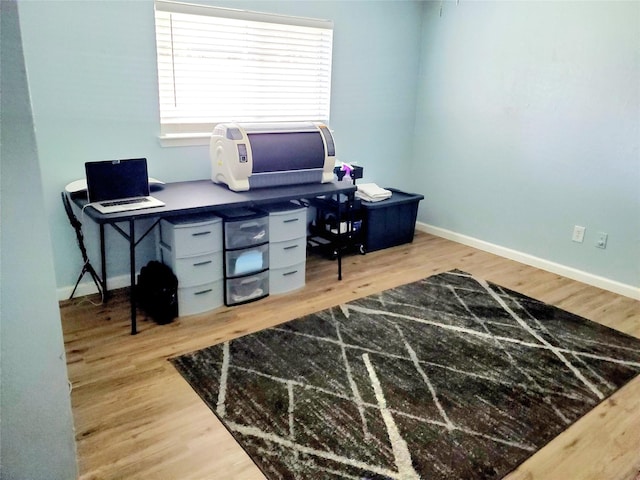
222	65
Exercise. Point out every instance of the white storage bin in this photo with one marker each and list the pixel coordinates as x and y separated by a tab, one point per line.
246	289
290	252
286	221
193	270
247	232
191	234
282	280
200	298
247	260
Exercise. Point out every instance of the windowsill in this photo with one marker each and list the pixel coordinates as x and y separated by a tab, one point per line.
184	139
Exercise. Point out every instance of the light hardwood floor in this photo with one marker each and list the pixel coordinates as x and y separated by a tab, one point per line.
136	418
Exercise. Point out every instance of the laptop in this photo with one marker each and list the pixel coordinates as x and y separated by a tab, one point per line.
119	185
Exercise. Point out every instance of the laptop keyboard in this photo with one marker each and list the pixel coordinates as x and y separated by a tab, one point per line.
125	202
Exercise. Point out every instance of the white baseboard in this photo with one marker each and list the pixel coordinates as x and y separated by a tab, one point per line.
541	263
87	287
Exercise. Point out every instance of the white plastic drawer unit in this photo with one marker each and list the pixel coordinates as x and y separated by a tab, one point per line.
247	260
246	289
287	221
244	228
287	279
200	298
192	234
195	269
288	252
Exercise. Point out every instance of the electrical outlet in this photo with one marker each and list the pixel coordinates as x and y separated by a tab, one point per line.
601	240
578	234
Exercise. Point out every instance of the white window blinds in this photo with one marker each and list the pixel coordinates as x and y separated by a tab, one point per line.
222	65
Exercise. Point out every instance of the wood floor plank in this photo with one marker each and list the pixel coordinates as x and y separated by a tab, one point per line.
136	418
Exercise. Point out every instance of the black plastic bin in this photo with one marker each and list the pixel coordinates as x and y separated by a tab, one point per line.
390	222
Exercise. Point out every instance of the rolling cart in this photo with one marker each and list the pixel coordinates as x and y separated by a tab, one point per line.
337	223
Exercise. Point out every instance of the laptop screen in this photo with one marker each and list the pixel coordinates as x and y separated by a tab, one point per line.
116	179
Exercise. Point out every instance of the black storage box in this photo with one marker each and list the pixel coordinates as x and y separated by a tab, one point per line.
390	222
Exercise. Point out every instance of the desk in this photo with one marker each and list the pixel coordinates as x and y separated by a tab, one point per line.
198	196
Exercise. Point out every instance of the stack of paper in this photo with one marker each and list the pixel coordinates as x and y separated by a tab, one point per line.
370	192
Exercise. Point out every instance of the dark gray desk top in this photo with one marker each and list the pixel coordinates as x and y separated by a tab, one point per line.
199	196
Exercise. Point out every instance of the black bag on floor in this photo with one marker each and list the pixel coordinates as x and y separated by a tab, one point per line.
157	292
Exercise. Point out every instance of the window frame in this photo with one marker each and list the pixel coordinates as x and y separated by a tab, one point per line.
181	133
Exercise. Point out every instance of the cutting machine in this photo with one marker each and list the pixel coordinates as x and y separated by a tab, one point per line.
254	155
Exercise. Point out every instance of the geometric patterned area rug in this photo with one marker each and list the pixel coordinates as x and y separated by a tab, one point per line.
449	377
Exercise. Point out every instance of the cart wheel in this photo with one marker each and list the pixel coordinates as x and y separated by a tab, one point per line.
361	249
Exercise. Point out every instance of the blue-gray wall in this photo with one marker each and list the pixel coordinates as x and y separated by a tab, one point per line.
37	440
529	123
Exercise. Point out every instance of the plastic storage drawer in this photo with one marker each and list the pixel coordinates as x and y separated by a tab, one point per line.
286	221
244	228
200	298
247	261
192	234
287	253
246	289
196	269
287	279
390	222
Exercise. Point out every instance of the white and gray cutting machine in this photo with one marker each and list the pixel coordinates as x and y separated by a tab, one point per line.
254	155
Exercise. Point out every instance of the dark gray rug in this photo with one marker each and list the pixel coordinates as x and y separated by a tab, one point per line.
450	377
